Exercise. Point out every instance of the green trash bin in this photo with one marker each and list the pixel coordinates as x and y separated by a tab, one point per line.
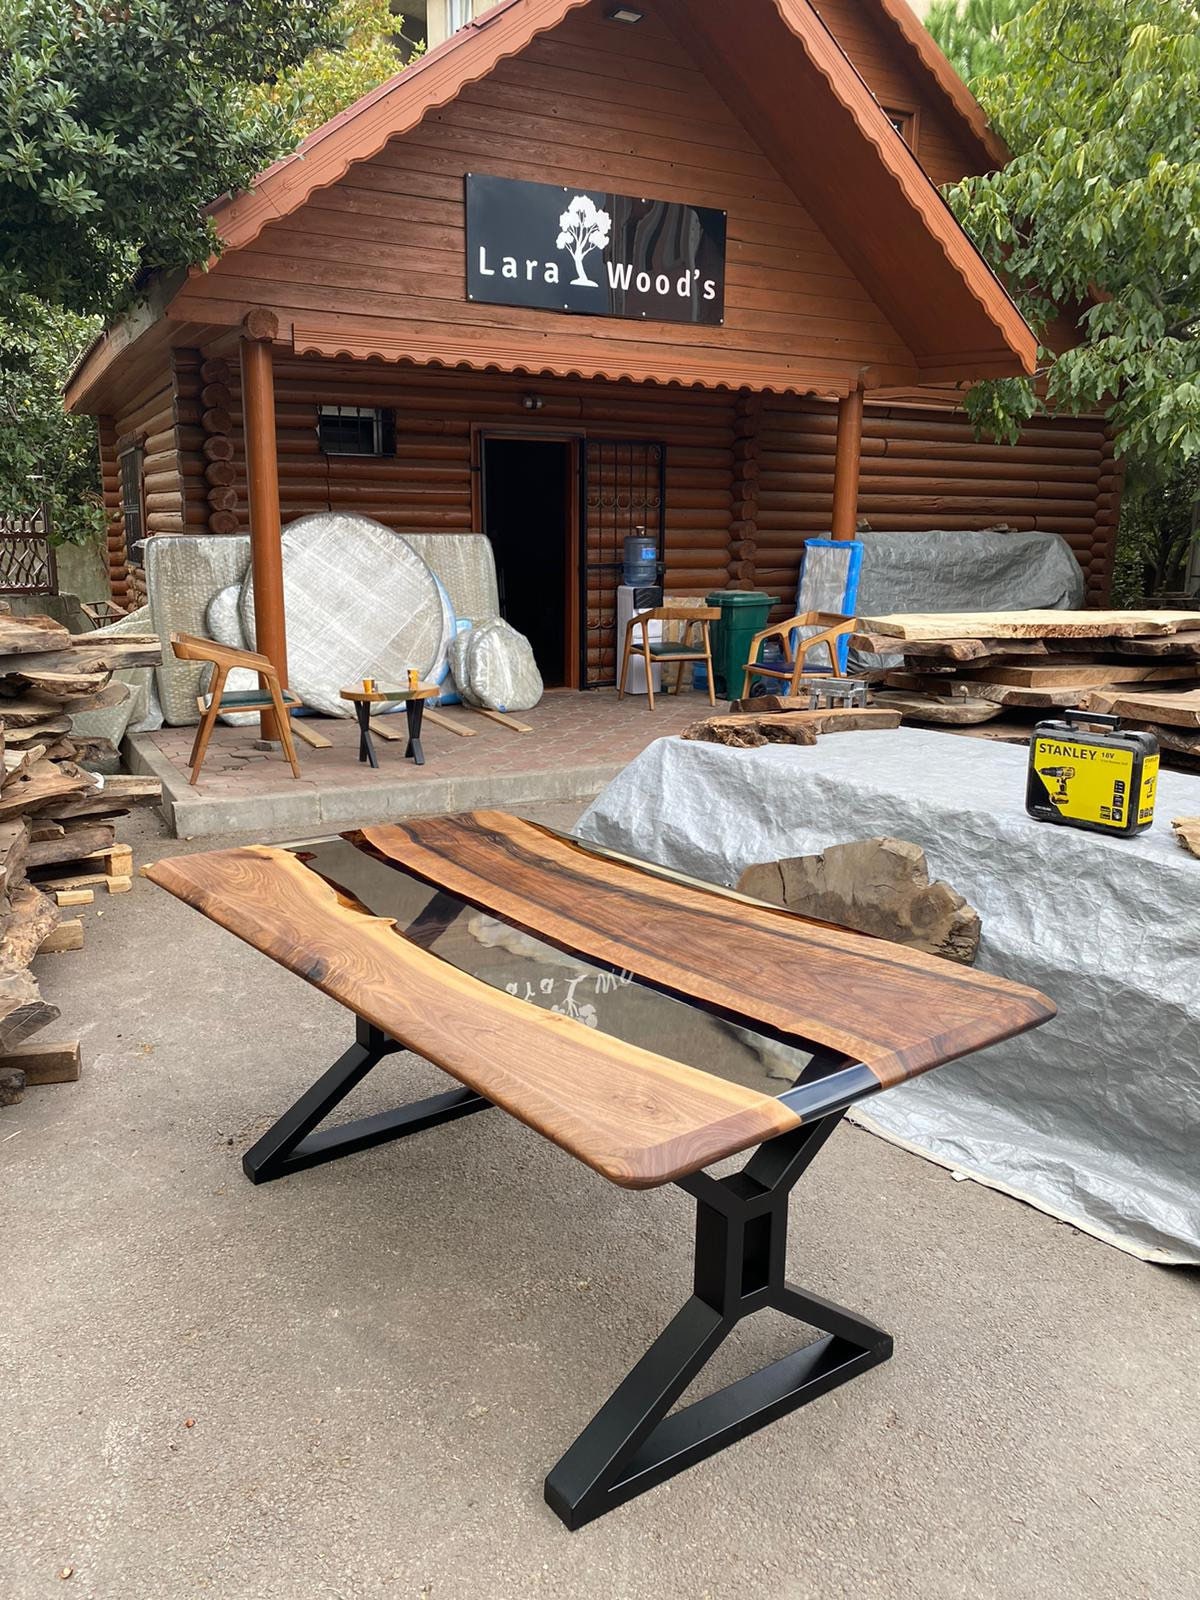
744	612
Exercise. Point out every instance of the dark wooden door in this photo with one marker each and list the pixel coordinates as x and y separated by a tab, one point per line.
624	491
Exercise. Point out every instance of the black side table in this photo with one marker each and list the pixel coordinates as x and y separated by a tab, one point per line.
414	708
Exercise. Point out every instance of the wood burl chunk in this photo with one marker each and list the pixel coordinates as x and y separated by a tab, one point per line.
12	1085
875	886
751	733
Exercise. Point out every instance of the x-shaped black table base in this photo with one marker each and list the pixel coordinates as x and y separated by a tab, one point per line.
414	711
635	1441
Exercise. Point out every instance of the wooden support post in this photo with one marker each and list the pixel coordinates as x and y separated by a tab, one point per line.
846	465
262	479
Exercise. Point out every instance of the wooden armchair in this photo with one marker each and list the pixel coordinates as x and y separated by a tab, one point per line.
658	651
829	629
269	696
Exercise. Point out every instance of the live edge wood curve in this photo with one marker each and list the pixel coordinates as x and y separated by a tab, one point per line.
897	1011
632	1116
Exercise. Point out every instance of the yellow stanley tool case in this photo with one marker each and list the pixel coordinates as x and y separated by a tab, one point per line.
1087	772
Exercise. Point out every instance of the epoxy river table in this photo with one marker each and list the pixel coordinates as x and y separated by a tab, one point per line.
648	1025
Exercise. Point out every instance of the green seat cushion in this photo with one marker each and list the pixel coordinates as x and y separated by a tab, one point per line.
666	648
253	700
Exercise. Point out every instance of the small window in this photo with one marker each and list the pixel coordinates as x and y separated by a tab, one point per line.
131	496
904	123
356	431
458	14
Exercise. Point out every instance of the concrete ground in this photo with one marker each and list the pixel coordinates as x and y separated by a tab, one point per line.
352	1382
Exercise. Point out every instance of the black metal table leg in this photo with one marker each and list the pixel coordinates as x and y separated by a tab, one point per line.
292	1144
633	1444
366	747
414	710
636	1441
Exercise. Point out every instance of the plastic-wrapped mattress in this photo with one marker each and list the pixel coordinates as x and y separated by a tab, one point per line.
465	563
346	595
183	573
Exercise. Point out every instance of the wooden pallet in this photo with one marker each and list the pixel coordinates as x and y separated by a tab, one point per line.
113	871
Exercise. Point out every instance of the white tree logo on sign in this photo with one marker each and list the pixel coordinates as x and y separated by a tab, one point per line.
584	228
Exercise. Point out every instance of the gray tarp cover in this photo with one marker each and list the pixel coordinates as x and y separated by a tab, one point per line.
958	571
1094	1118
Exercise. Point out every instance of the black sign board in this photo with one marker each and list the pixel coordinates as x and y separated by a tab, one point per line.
599	254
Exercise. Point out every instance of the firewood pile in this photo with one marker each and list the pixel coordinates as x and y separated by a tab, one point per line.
996	674
58	821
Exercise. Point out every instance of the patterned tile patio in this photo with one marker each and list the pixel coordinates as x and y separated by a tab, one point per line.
577	744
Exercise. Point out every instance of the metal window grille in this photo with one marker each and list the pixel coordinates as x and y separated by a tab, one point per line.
131	496
624	491
356	431
27	564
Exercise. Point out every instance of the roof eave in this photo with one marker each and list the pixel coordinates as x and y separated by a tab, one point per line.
930	57
118	339
363	129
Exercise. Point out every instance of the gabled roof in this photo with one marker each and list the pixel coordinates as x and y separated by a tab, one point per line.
327	153
798	95
881	169
928	55
394	108
797	91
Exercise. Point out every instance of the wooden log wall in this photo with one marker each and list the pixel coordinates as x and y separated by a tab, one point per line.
749	477
923	469
747	453
427	486
150	420
207	450
114	526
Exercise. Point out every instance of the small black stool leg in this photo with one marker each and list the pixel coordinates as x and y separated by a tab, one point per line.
366	747
414	710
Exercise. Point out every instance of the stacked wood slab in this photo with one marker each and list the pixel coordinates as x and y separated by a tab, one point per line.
52	811
998	673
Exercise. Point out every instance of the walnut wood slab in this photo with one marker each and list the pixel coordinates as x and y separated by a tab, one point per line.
897	1011
633	1116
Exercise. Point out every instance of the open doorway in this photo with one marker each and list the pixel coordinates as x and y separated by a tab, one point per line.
529	515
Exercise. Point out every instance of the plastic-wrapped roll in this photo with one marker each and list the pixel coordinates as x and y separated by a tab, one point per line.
359	603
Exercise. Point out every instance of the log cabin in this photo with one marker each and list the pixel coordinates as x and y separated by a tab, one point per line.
585	269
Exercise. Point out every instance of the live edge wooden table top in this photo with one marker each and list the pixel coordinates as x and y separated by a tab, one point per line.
488	945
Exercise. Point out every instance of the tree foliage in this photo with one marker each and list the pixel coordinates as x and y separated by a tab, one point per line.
45	455
118	123
331	79
1097	217
970	32
1159	519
